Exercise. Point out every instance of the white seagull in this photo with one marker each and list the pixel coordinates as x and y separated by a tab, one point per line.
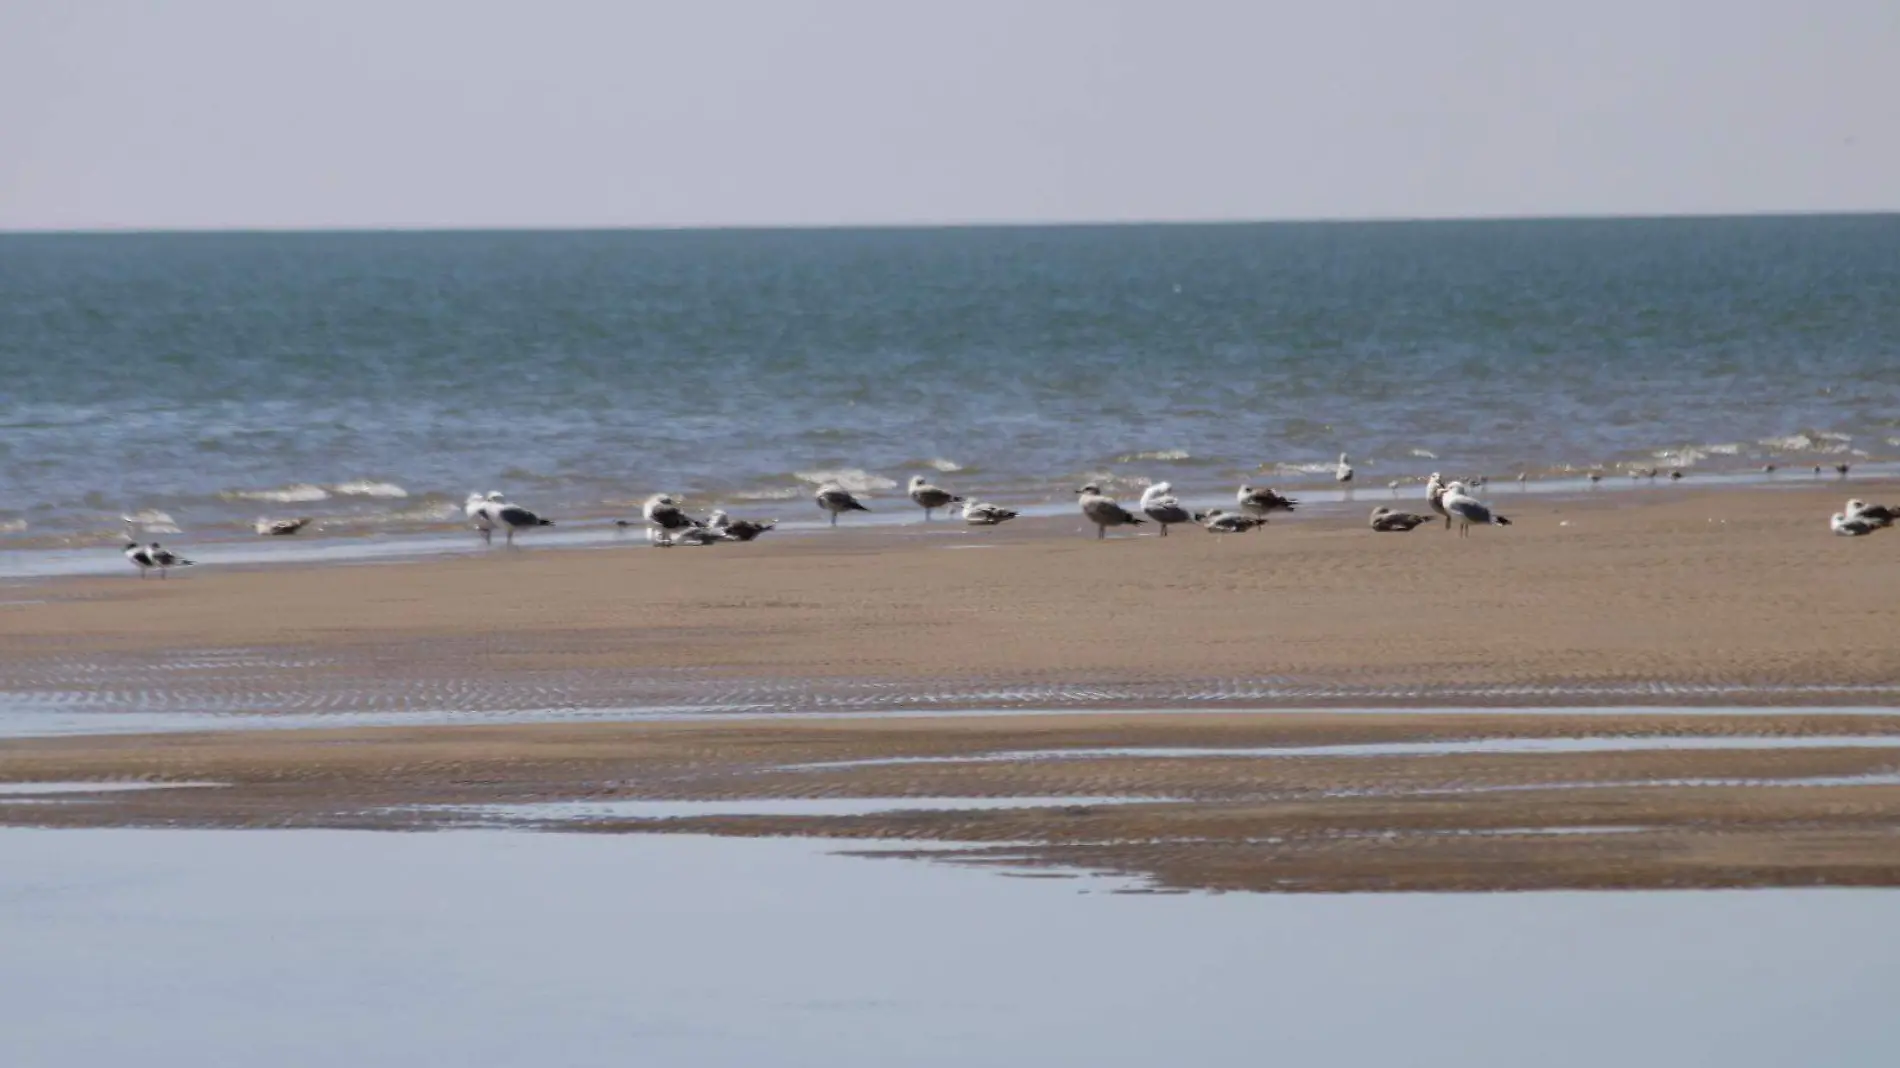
663	511
1103	511
1469	510
980	514
1216	521
476	508
1260	501
835	499
1435	497
1342	473
141	557
735	529
929	497
1852	526
1158	504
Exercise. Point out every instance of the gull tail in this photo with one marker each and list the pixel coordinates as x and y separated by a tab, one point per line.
1501	521
544	522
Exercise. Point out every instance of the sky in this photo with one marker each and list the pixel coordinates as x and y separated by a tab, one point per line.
273	114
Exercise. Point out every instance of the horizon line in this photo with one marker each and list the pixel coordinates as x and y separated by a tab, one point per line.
1052	224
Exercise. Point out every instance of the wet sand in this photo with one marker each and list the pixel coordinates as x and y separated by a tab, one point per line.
1763	813
1671	595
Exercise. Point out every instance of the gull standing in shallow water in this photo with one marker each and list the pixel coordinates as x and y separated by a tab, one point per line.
1103	511
513	517
834	498
1260	501
140	556
979	514
1469	510
929	497
1158	503
1852	526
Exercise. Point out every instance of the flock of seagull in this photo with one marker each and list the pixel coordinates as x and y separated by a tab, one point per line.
669	525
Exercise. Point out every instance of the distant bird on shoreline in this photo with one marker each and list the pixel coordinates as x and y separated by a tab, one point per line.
1470	510
1262	500
1158	503
140	558
278	528
835	499
146	557
1215	521
1386	521
1843	469
929	497
1103	511
736	529
980	514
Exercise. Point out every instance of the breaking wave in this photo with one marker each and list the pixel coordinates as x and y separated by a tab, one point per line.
856	480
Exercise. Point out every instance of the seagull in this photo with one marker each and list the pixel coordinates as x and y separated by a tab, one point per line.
1103	511
929	497
979	514
513	516
1676	475
1343	473
1852	526
1768	469
1469	510
663	511
1158	504
1394	486
164	559
476	508
736	529
1263	500
1435	497
141	557
1880	515
280	527
1387	521
834	498
1215	521
1842	469
1595	478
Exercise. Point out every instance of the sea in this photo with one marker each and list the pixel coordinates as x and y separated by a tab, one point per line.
195	382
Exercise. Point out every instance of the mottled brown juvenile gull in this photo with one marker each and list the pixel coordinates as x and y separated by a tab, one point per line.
1103	511
1261	500
1387	521
930	497
834	499
981	514
736	529
1215	521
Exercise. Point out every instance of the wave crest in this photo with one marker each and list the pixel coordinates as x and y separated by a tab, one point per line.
854	479
297	493
369	488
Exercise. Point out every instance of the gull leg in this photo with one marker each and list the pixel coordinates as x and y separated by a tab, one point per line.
1164	530
1100	532
834	519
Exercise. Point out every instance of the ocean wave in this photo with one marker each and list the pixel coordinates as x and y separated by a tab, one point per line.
299	493
1425	454
771	493
1159	456
1302	469
1820	441
369	488
153	521
948	467
12	526
854	479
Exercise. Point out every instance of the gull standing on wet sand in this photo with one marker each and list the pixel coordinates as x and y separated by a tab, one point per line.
513	517
1103	511
1260	501
929	497
980	514
1469	510
834	498
663	511
1435	497
1158	503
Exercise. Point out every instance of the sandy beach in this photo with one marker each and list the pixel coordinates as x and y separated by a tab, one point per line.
1667	595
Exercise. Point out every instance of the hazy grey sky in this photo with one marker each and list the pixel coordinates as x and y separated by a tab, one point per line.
372	113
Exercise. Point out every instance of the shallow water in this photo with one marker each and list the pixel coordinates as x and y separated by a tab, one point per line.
310	948
768	806
371	380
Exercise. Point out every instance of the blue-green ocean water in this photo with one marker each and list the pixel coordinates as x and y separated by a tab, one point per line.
217	377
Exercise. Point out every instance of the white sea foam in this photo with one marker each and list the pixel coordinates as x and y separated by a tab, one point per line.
366	488
153	521
1425	454
853	479
1159	456
1306	469
300	493
12	526
769	493
948	467
1821	441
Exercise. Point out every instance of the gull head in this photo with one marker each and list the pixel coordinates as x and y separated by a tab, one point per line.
496	497
1091	490
917	482
130	545
1856	505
